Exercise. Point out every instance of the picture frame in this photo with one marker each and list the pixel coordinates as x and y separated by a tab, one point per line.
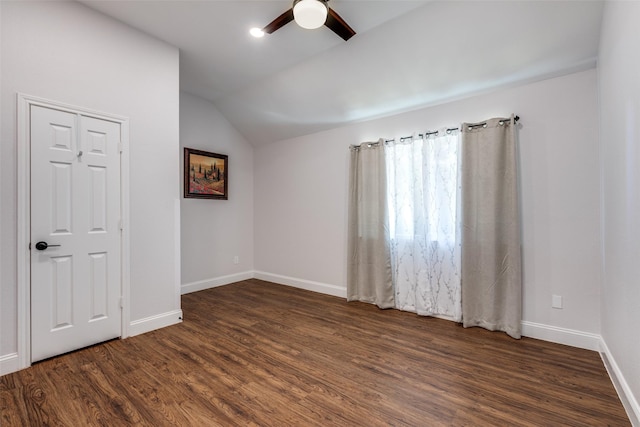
205	175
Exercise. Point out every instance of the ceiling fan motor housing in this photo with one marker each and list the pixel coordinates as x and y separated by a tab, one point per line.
310	14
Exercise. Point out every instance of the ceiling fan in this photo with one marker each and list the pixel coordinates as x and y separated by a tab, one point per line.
311	14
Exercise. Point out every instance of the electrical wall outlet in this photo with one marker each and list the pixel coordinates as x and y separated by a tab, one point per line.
556	301
236	259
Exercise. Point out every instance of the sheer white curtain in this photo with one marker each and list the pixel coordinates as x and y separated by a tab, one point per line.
423	194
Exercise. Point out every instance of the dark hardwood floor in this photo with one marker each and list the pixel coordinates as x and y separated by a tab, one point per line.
260	354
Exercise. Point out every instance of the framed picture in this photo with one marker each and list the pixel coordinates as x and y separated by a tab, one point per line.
205	175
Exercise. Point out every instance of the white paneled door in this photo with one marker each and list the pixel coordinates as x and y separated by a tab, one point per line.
75	231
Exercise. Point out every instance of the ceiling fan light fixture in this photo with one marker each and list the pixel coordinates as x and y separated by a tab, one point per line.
310	14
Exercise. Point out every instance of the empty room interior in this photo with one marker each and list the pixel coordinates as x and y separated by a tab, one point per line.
411	213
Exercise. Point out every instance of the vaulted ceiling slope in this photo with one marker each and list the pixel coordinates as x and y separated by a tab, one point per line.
405	55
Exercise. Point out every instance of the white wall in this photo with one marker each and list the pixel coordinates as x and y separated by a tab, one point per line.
65	52
301	193
215	231
619	68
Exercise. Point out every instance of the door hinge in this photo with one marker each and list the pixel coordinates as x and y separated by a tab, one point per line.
121	302
121	224
120	147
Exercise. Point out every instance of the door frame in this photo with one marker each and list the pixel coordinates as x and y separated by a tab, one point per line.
24	103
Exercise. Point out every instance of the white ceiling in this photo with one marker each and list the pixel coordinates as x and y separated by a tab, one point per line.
405	55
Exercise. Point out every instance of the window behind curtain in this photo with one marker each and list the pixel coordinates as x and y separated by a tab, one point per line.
423	194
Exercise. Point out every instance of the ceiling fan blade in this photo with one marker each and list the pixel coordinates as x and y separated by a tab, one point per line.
279	22
338	25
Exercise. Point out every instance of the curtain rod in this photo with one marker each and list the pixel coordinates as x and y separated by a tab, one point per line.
448	130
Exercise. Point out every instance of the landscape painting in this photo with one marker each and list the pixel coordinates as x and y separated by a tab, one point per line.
205	174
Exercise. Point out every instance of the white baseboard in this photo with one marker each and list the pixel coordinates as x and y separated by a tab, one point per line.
152	323
201	285
9	363
627	398
559	335
323	288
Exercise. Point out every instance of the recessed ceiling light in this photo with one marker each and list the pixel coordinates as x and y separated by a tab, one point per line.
256	32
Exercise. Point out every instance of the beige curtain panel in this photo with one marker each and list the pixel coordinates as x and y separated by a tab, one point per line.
368	251
491	253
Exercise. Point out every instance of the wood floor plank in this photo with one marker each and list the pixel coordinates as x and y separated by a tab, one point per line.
259	354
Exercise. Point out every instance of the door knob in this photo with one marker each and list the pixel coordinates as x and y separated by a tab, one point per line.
41	246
